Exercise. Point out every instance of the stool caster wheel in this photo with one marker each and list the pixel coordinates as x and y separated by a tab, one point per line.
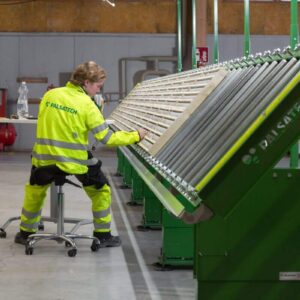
2	234
95	247
28	250
72	252
41	227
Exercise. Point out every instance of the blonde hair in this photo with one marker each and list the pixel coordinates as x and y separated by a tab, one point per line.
88	71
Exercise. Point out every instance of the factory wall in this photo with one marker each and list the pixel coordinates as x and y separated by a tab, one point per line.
137	16
49	54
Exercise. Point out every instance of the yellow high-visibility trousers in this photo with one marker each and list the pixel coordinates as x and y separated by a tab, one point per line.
101	201
32	206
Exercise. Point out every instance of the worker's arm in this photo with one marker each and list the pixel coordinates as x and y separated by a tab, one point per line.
106	136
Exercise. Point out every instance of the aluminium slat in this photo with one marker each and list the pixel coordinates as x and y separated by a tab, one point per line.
122	114
124	126
195	85
172	115
176	93
156	104
162	99
159	106
175	83
168	93
196	82
139	123
169	89
149	84
186	74
154	113
149	139
171	81
144	117
146	143
147	117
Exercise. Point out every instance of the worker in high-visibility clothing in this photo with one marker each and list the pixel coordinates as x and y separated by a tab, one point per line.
66	115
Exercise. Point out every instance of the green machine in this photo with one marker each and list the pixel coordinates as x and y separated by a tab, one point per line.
238	137
249	249
224	173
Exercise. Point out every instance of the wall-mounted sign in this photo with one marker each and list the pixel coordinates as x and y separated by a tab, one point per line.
201	56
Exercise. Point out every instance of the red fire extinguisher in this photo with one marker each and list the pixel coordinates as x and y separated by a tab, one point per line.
7	135
3	100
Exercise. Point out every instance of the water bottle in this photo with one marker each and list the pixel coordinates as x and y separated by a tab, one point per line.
22	104
99	101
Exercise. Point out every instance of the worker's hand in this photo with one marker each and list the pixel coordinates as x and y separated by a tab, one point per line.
142	132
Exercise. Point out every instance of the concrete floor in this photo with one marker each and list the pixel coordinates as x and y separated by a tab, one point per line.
112	273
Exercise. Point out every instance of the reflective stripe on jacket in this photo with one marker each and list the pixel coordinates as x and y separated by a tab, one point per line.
66	115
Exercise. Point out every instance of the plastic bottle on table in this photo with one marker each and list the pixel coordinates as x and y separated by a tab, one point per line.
98	98
22	104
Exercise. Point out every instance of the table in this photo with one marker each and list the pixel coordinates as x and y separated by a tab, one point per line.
18	121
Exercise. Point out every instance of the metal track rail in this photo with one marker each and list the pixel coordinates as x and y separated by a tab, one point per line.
169	201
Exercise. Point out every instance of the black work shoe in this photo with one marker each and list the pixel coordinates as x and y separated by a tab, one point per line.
112	241
21	237
107	240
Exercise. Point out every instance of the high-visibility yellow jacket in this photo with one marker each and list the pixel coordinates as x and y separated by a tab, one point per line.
66	115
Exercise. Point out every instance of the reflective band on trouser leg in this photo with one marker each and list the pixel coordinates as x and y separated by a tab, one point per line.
101	200
32	207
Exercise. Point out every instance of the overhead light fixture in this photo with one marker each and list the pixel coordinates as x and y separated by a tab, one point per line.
110	3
